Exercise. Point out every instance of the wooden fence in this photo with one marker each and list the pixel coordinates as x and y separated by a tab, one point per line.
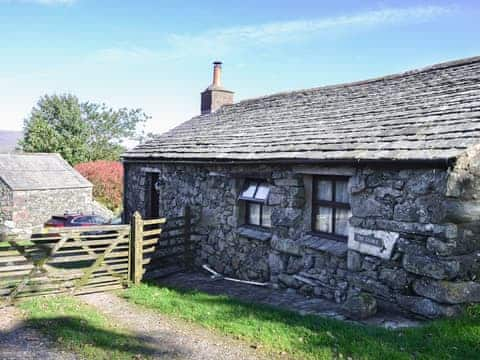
81	260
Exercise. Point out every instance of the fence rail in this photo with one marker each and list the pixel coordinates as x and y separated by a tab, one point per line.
165	245
80	260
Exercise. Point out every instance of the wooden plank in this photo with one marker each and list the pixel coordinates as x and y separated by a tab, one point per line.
102	279
8	274
84	242
149	242
105	272
152	232
68	252
8	284
77	258
44	237
15	267
37	266
4	292
4	253
149	250
121	266
12	259
82	229
106	235
47	286
154	221
136	248
97	263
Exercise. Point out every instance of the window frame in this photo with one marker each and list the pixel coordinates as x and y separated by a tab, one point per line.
333	205
251	200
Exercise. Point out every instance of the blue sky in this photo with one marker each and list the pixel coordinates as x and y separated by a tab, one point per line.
157	55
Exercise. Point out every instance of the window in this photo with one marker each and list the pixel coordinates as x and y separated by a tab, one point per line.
255	195
331	206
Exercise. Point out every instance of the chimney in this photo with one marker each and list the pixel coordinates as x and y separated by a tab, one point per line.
215	95
217	73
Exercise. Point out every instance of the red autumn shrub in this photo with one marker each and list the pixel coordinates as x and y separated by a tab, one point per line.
107	179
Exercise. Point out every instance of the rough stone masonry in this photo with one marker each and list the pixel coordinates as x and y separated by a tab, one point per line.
414	232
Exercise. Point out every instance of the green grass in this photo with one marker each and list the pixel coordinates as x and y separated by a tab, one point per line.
80	328
311	337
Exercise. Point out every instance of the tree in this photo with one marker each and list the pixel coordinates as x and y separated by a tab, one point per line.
107	180
80	132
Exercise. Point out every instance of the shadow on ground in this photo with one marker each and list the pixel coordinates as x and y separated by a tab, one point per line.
62	337
443	339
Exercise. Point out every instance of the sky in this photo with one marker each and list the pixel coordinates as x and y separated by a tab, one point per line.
157	55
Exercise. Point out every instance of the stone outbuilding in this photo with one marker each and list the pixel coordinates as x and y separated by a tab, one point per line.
35	186
366	187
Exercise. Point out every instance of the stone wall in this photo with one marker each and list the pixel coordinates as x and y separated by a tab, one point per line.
32	208
406	245
6	203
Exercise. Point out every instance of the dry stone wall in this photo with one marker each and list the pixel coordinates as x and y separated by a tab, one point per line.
413	242
6	203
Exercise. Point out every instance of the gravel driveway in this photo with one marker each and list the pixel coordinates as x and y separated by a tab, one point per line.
170	338
18	341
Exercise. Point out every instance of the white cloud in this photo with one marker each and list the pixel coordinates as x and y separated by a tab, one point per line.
216	42
289	30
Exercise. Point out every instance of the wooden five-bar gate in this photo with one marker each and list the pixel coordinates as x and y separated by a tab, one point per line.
80	260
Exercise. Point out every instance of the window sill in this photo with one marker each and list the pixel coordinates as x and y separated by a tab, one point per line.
254	233
322	244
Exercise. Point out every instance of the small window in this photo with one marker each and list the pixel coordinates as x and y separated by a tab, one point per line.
255	195
331	206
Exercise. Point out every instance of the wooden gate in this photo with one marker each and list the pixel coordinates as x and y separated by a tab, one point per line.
81	260
77	260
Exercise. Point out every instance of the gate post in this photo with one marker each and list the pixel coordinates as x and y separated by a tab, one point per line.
136	248
187	237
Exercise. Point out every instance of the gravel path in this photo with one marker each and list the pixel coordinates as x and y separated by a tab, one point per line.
171	338
18	341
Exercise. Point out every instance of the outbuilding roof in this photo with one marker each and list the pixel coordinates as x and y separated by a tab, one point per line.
38	171
426	114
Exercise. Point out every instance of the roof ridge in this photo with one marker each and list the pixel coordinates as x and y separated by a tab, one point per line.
437	66
374	119
31	154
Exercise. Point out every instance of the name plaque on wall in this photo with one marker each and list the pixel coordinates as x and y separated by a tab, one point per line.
372	242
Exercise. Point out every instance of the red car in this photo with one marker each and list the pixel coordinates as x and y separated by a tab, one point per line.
75	220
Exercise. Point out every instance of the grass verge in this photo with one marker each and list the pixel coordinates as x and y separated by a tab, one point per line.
311	337
81	329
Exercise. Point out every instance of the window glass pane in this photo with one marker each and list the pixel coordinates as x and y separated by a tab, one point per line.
323	219
341	191
253	213
324	190
341	221
250	190
262	192
266	216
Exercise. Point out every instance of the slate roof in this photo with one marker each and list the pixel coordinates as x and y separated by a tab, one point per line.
426	114
9	140
39	172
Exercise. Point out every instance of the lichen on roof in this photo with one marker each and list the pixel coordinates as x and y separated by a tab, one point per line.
39	171
427	114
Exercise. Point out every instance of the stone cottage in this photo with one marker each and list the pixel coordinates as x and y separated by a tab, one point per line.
35	186
366	187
